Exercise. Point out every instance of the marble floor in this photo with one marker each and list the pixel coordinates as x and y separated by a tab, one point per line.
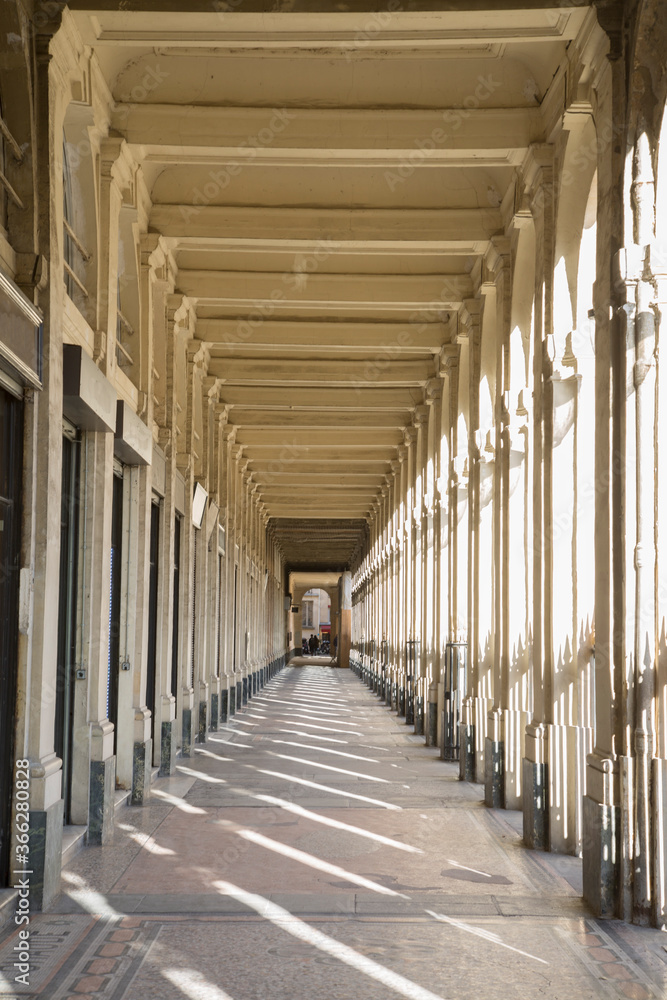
314	848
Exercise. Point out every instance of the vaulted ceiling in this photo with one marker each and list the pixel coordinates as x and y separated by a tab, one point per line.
328	177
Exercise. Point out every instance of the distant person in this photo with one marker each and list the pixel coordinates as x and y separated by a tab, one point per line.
313	644
304	647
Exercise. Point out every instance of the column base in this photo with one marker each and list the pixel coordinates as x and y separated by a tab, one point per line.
409	706
239	695
186	749
141	772
601	857
46	842
232	700
167	748
494	773
215	703
535	805
432	725
201	726
419	716
660	849
569	747
467	756
224	705
101	801
514	730
482	709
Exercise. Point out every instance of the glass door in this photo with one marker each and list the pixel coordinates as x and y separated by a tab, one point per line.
67	614
114	602
153	616
11	461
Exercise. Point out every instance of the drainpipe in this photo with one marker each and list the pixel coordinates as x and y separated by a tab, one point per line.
644	377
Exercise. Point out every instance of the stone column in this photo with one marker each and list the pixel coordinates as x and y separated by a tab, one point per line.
538	172
345	619
93	794
398	695
228	435
443	489
410	437
499	757
659	776
433	399
606	765
37	668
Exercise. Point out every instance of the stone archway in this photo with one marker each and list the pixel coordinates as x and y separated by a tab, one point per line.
300	583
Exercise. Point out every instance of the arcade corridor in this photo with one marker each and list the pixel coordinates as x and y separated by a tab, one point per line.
314	848
359	299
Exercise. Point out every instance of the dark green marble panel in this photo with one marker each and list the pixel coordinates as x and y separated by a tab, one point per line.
46	841
101	800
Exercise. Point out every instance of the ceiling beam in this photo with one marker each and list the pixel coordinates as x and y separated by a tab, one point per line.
359	437
252	292
187	31
365	395
263	420
263	467
344	373
213	136
230	335
326	225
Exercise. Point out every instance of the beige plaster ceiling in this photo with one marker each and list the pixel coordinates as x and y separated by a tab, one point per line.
282	147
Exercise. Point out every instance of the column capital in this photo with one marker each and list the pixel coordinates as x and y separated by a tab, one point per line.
498	254
211	387
537	167
419	416
447	359
433	391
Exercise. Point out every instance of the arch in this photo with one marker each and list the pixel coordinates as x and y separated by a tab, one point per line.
577	185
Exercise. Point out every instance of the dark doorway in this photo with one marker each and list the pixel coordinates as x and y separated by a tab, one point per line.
11	463
176	606
114	603
218	637
193	645
151	685
67	614
236	591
